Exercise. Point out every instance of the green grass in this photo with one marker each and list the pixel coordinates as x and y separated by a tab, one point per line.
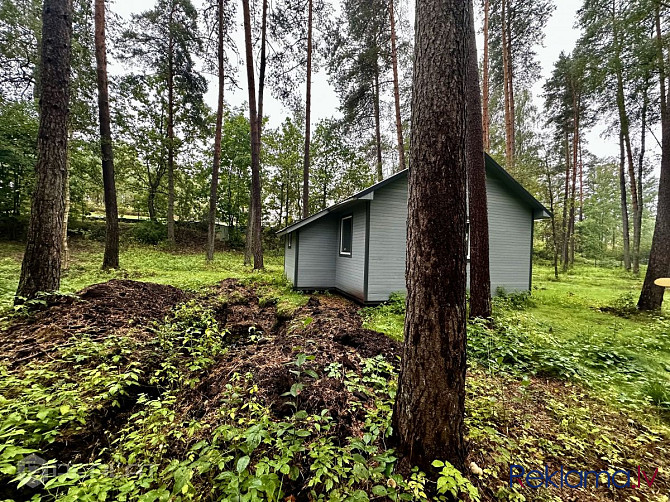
560	331
186	270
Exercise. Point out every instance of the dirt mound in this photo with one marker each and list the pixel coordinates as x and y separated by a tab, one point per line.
327	330
99	310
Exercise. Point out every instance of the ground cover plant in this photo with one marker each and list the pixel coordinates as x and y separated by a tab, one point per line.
240	389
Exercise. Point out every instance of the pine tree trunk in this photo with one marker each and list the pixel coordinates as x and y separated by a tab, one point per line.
625	131
378	127
651	297
396	91
216	163
566	202
624	205
486	115
255	232
506	91
308	109
554	237
480	276
111	256
428	417
170	134
41	267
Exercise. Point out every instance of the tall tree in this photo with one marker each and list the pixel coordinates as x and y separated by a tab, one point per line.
486	114
651	297
429	411
216	162
41	267
111	256
165	41
308	113
396	90
480	276
254	122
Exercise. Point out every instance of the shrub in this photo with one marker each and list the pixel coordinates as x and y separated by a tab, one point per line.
150	232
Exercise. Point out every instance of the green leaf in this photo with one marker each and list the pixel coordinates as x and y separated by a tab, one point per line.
379	491
64	409
242	463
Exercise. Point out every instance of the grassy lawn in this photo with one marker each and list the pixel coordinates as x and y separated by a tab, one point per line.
186	270
582	327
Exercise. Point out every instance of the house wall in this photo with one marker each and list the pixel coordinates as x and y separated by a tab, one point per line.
350	270
388	237
289	257
510	227
316	255
510	238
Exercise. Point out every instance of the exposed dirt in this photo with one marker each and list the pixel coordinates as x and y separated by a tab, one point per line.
328	328
119	307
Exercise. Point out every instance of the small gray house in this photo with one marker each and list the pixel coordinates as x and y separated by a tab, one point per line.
357	247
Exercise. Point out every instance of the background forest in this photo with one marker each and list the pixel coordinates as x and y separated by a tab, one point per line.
603	206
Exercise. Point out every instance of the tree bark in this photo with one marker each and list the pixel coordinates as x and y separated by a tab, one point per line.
216	162
624	205
41	267
65	259
486	115
170	134
308	109
566	202
506	91
111	256
378	127
651	297
480	276
553	218
428	417
255	232
396	91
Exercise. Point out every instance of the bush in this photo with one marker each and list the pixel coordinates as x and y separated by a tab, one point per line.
519	300
150	232
623	306
13	228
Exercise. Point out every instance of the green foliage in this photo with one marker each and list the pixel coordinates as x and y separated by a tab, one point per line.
150	232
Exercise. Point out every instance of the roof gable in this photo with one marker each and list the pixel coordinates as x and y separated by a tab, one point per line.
493	169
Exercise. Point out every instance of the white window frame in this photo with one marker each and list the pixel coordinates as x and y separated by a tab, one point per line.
348	217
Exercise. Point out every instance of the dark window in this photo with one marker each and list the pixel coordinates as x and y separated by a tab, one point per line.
290	240
346	233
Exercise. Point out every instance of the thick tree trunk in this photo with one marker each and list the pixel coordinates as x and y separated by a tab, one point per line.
151	204
396	91
651	297
486	114
308	109
624	205
480	276
378	127
111	256
429	411
255	233
216	163
170	134
41	267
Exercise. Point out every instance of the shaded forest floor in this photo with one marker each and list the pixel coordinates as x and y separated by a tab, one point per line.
218	389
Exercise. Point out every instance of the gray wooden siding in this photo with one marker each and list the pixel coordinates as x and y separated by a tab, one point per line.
510	226
316	258
289	257
510	235
388	237
350	270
